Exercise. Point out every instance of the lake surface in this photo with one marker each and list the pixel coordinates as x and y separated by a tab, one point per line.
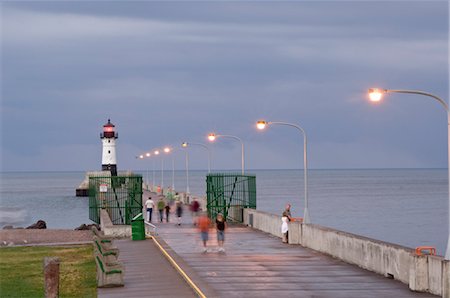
404	206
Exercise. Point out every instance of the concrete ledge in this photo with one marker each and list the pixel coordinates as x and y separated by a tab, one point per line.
116	231
422	273
446	279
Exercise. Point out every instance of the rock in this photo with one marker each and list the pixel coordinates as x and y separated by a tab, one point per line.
40	224
85	227
8	227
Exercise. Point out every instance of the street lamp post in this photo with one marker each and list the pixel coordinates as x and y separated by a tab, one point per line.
186	144
212	137
153	166
162	168
262	125
168	150
147	155
376	95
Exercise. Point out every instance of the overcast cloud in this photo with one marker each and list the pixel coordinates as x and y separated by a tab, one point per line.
165	72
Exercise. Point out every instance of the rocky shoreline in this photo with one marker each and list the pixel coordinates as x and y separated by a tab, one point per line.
38	234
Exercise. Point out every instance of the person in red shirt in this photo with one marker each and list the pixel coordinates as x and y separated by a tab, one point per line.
195	207
203	225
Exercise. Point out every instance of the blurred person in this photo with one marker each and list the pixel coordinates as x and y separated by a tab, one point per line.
179	212
220	228
203	223
161	206
167	207
149	204
195	207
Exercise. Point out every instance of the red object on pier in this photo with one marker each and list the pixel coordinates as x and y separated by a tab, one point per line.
425	250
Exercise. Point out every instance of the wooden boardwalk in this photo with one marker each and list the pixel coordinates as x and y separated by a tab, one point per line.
257	264
147	273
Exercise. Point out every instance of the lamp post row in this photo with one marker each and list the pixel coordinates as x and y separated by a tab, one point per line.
375	95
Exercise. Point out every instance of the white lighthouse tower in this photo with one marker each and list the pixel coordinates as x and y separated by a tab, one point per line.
109	136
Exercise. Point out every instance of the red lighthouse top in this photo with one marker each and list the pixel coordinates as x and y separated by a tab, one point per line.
108	131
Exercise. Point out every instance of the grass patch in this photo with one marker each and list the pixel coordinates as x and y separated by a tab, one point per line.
22	273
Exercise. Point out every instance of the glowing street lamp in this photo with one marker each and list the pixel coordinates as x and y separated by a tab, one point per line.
376	95
262	125
212	137
142	157
186	144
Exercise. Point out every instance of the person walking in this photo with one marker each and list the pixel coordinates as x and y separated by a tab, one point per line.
167	207
161	206
220	228
195	207
179	212
149	204
203	223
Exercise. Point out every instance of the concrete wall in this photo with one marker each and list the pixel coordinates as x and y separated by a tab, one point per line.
116	231
422	273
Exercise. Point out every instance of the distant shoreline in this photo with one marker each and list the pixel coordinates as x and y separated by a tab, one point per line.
233	170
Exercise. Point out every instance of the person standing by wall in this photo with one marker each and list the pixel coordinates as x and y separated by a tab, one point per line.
287	212
220	227
285	218
149	204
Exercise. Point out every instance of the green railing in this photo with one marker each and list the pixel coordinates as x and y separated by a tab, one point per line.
229	194
121	196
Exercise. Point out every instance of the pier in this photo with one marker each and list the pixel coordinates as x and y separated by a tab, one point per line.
256	264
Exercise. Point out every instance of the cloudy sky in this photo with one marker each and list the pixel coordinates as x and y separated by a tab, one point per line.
165	72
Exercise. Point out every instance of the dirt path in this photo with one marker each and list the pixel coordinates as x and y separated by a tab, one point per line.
15	237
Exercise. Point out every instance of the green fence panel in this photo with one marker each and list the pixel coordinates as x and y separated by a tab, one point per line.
229	194
120	196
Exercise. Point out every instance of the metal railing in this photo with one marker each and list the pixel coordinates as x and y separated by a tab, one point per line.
229	194
120	196
151	226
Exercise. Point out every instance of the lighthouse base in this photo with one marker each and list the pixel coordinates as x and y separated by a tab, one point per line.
110	168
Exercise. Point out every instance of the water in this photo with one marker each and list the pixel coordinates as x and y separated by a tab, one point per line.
406	207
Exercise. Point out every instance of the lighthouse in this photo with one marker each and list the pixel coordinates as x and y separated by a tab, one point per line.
108	137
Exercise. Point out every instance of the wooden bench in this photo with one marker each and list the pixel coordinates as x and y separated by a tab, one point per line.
108	275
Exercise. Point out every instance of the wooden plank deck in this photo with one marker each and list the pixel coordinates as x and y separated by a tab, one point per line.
257	264
147	273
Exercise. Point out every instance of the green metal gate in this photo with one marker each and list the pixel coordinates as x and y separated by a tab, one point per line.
229	194
121	196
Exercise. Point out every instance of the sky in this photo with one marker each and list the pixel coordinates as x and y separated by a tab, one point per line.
168	72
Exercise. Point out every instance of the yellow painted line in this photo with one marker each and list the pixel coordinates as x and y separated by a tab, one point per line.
181	271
